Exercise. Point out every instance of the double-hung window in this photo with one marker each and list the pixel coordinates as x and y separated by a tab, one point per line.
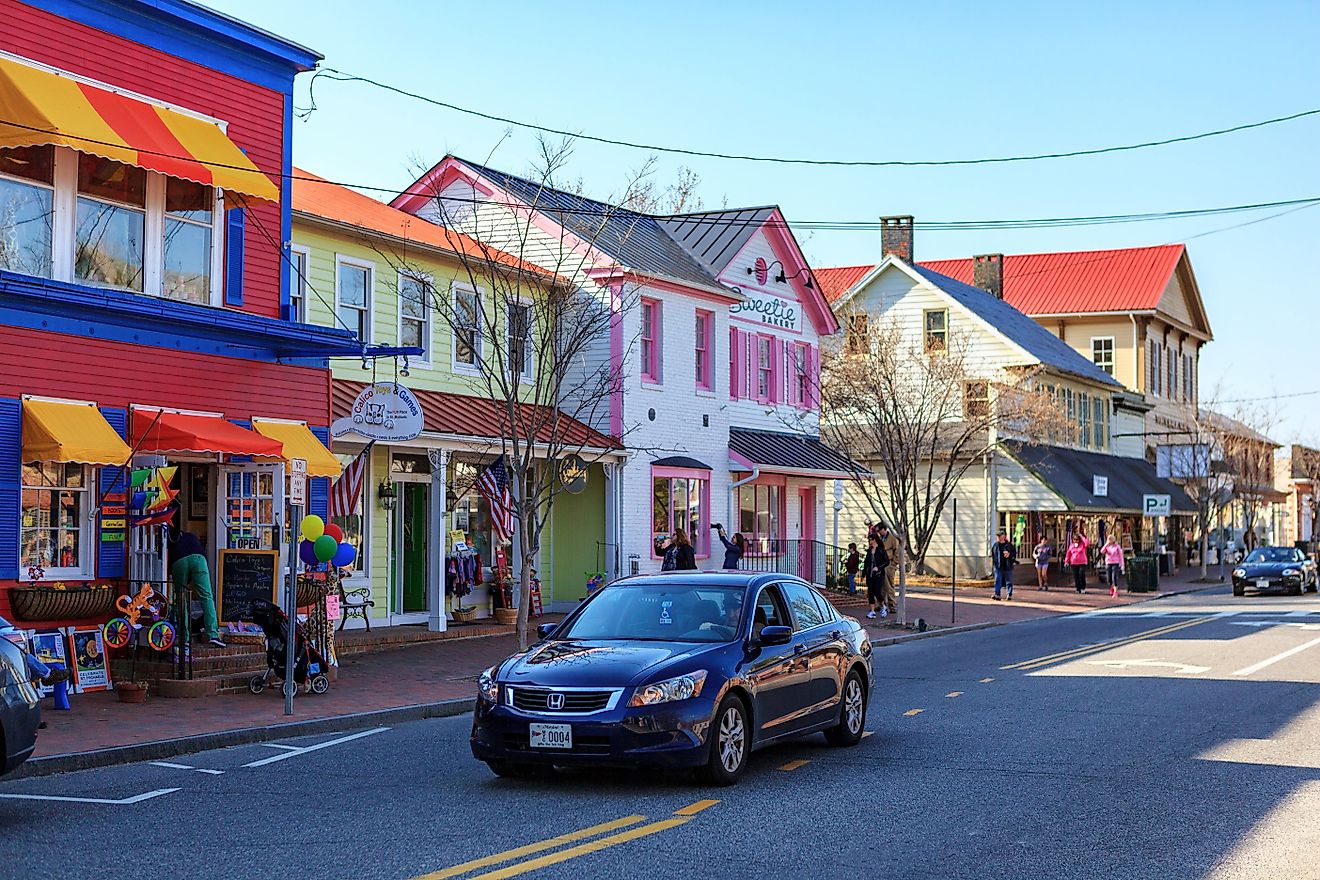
1154	373
1099	427
353	290
705	350
801	378
857	341
976	400
651	341
27	210
110	235
520	340
54	531
936	322
1084	419
1171	362
299	266
467	326
415	312
1102	353
765	368
190	211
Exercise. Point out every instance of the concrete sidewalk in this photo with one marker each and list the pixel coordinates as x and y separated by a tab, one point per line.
415	680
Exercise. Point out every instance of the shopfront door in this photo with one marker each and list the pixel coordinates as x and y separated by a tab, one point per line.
251	504
410	542
807	546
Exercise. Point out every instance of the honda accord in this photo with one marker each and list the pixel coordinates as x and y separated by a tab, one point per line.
677	670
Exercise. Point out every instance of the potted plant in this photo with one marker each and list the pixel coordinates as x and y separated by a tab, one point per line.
131	691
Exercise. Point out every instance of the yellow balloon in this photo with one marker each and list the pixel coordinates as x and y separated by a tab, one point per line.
312	527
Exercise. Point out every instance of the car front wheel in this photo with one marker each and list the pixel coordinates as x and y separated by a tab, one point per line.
730	743
852	714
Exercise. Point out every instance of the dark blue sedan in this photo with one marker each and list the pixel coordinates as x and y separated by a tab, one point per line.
677	670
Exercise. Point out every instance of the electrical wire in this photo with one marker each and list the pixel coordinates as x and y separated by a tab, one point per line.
336	75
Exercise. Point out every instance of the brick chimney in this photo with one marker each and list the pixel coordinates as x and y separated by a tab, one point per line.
896	237
988	273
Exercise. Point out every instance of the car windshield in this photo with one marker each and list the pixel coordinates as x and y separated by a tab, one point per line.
660	613
1272	554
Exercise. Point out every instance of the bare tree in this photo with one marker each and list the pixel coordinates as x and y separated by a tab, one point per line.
1193	457
1249	456
915	421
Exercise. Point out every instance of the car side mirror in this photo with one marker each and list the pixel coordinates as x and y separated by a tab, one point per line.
543	630
775	635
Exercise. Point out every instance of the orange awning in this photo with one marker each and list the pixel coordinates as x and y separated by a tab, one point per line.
39	107
209	435
300	442
77	432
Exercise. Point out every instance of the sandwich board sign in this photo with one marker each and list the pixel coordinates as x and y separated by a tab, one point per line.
1156	505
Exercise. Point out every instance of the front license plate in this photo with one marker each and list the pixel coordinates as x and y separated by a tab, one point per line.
1262	584
551	736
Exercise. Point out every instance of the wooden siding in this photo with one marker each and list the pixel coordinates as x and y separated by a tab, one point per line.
255	114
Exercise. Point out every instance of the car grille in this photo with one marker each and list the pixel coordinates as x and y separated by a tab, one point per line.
531	699
582	745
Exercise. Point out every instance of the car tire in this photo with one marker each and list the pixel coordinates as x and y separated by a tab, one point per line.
510	769
852	713
730	743
1239	591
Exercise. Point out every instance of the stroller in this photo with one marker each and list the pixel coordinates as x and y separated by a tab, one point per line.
307	661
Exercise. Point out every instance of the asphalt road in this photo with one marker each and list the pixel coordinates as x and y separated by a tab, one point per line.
1178	738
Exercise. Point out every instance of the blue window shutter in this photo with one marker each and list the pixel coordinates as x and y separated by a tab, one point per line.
11	475
241	459
318	488
110	554
234	224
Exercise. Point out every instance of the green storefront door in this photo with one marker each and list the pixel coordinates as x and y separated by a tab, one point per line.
412	517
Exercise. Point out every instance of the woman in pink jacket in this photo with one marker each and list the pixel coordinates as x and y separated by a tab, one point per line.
1114	564
1076	558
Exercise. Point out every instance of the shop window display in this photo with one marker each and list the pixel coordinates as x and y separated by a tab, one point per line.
54	520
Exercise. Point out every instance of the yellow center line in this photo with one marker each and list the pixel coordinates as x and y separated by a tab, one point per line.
693	809
539	846
584	849
793	765
952	694
1074	653
910	712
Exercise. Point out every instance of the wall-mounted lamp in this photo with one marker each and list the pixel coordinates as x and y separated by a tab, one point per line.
387	494
781	277
451	500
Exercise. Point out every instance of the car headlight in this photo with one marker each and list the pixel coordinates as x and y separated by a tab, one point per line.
683	687
1239	573
487	687
1291	572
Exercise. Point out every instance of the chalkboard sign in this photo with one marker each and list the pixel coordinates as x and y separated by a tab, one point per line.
244	576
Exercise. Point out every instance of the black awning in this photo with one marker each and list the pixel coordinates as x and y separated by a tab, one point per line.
781	452
681	461
1071	474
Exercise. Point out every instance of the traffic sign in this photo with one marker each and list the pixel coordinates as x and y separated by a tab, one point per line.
298	481
1156	505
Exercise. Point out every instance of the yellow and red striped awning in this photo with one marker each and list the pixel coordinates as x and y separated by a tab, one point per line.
38	107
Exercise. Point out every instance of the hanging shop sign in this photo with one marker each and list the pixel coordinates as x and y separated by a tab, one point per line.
1156	505
1099	486
383	411
573	473
768	311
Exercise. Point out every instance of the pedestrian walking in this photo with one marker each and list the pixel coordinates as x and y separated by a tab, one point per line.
1004	557
733	550
189	571
1115	564
889	543
1076	559
1042	554
850	566
874	571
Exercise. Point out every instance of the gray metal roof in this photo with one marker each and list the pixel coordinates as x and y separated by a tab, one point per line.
638	241
1071	472
776	450
1024	331
715	237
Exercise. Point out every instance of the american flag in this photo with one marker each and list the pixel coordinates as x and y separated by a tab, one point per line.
345	491
493	484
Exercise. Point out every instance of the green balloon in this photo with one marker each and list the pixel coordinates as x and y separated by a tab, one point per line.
325	548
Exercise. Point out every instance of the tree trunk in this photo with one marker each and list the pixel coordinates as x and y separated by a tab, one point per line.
524	597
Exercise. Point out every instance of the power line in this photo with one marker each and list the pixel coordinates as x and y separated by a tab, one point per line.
336	75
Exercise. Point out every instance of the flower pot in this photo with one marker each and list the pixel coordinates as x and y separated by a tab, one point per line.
131	692
465	615
47	603
506	616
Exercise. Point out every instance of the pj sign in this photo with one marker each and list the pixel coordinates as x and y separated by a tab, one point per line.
1156	505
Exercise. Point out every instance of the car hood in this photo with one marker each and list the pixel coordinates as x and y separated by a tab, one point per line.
603	663
1261	569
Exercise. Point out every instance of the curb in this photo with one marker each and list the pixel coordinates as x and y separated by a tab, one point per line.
932	633
169	748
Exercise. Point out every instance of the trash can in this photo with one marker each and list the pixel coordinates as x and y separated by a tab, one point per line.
1143	574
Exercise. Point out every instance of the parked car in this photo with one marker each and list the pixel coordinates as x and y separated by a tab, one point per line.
677	670
1270	569
19	711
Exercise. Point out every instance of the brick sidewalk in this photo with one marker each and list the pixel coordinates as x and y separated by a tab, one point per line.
442	670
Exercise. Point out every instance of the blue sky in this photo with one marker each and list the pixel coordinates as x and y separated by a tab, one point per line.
882	80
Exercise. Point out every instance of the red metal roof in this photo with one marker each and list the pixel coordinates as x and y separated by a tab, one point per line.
1123	280
461	414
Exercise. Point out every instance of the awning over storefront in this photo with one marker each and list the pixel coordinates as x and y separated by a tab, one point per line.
784	453
300	442
1071	474
74	432
39	107
681	461
165	432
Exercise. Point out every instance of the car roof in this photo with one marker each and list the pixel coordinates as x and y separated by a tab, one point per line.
697	579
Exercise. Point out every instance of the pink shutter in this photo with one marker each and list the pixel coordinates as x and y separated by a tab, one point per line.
735	364
776	372
813	378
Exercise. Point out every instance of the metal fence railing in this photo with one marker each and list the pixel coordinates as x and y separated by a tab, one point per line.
813	561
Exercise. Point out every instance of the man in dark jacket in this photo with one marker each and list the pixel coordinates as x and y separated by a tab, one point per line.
874	571
1003	556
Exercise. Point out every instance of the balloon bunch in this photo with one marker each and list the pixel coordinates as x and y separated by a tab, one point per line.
323	542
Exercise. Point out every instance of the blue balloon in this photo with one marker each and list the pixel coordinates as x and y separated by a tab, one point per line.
345	555
307	552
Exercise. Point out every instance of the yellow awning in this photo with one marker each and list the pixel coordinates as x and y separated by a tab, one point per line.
38	107
76	432
300	442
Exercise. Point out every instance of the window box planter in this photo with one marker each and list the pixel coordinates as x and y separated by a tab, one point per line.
62	603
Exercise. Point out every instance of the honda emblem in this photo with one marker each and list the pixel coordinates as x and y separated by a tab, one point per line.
554	701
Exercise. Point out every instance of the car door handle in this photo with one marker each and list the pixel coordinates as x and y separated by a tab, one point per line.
836	634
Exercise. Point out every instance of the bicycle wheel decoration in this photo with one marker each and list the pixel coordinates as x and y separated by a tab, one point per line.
161	635
117	632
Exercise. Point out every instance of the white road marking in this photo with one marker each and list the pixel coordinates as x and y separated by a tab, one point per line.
325	745
1150	664
1257	667
1258	623
135	799
279	746
173	766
